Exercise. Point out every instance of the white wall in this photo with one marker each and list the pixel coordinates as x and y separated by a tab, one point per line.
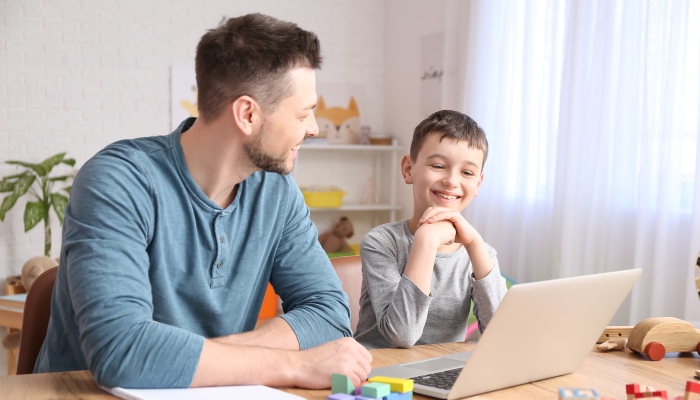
78	75
406	21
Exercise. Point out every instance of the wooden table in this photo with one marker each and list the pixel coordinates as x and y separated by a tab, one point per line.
11	314
607	372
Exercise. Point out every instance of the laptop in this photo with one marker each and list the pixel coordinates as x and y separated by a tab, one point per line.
540	330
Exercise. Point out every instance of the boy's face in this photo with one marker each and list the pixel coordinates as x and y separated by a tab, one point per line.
446	174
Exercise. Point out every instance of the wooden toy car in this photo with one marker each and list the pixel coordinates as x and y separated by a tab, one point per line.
655	336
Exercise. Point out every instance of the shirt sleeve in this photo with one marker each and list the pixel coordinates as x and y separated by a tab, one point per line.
107	228
314	303
400	307
488	292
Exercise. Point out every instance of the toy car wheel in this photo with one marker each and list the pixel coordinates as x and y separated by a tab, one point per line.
655	351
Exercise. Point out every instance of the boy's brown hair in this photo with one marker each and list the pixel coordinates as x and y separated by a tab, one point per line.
450	124
251	55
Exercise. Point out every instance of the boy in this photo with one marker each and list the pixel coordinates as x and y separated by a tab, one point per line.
420	275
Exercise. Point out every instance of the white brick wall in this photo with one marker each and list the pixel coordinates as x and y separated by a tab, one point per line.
78	75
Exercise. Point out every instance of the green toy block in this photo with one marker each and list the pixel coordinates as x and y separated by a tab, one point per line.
341	384
376	390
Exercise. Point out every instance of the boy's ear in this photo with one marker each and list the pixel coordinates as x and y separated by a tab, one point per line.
247	114
478	186
407	169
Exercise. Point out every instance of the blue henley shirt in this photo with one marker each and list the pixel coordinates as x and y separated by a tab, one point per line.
150	266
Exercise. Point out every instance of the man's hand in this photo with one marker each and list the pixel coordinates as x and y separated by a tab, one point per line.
343	356
465	231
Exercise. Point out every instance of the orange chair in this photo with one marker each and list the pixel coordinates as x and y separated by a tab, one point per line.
35	322
349	270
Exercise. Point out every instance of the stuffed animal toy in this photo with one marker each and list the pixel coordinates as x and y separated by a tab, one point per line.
30	271
334	241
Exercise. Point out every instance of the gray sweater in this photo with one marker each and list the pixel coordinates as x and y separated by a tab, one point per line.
394	312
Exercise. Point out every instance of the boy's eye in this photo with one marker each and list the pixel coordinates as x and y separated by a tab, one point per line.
469	173
437	166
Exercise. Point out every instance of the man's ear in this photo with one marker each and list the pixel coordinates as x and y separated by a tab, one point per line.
247	114
406	169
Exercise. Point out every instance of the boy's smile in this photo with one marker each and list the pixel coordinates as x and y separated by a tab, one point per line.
447	173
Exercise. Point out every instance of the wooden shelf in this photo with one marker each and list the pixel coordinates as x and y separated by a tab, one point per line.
359	207
362	147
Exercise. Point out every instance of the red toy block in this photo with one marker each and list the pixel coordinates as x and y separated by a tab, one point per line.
692	387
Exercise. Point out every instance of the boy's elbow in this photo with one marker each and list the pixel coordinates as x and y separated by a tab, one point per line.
399	338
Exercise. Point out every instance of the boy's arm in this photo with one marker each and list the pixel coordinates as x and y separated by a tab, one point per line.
466	234
488	292
400	306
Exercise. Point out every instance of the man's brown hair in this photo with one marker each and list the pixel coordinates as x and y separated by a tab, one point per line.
450	124
251	55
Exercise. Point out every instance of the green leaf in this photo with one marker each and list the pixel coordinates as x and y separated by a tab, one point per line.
52	161
68	189
7	185
40	170
22	185
69	161
60	178
33	214
7	203
59	203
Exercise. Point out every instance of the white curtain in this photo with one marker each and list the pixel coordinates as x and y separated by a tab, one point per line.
592	114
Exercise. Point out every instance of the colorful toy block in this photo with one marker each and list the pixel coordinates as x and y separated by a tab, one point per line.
578	394
376	390
340	396
358	390
397	385
365	398
342	384
661	394
692	391
399	396
633	389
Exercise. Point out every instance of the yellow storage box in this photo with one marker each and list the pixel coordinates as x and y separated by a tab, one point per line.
327	197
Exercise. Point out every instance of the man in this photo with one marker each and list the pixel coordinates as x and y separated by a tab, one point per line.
169	241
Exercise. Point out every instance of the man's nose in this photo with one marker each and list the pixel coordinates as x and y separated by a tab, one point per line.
312	128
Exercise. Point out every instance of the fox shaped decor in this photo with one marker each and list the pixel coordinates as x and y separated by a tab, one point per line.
339	125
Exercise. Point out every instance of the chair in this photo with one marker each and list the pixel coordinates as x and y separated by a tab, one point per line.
37	310
349	270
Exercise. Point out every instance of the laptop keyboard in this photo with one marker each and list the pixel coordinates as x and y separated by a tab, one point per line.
441	380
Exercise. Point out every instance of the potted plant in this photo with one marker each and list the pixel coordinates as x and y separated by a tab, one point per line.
35	181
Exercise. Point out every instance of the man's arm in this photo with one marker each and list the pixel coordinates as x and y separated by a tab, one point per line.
226	364
274	334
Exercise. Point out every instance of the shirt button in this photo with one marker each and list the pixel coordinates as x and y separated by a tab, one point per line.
219	265
221	239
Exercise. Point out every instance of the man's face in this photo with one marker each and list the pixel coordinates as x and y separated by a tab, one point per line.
274	148
445	173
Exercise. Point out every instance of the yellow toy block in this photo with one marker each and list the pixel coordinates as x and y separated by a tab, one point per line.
397	385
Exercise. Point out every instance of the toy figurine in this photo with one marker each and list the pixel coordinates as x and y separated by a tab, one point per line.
655	336
334	241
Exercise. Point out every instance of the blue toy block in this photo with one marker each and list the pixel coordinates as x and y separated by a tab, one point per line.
342	384
376	390
399	396
340	396
365	398
578	394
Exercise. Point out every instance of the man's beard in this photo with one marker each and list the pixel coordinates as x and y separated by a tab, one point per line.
262	160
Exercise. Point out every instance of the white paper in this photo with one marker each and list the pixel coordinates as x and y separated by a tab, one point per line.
258	392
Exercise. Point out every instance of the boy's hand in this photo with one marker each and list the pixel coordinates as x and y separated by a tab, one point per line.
438	233
465	232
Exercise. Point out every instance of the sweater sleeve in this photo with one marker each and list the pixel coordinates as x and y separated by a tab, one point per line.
488	292
400	307
107	228
315	305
